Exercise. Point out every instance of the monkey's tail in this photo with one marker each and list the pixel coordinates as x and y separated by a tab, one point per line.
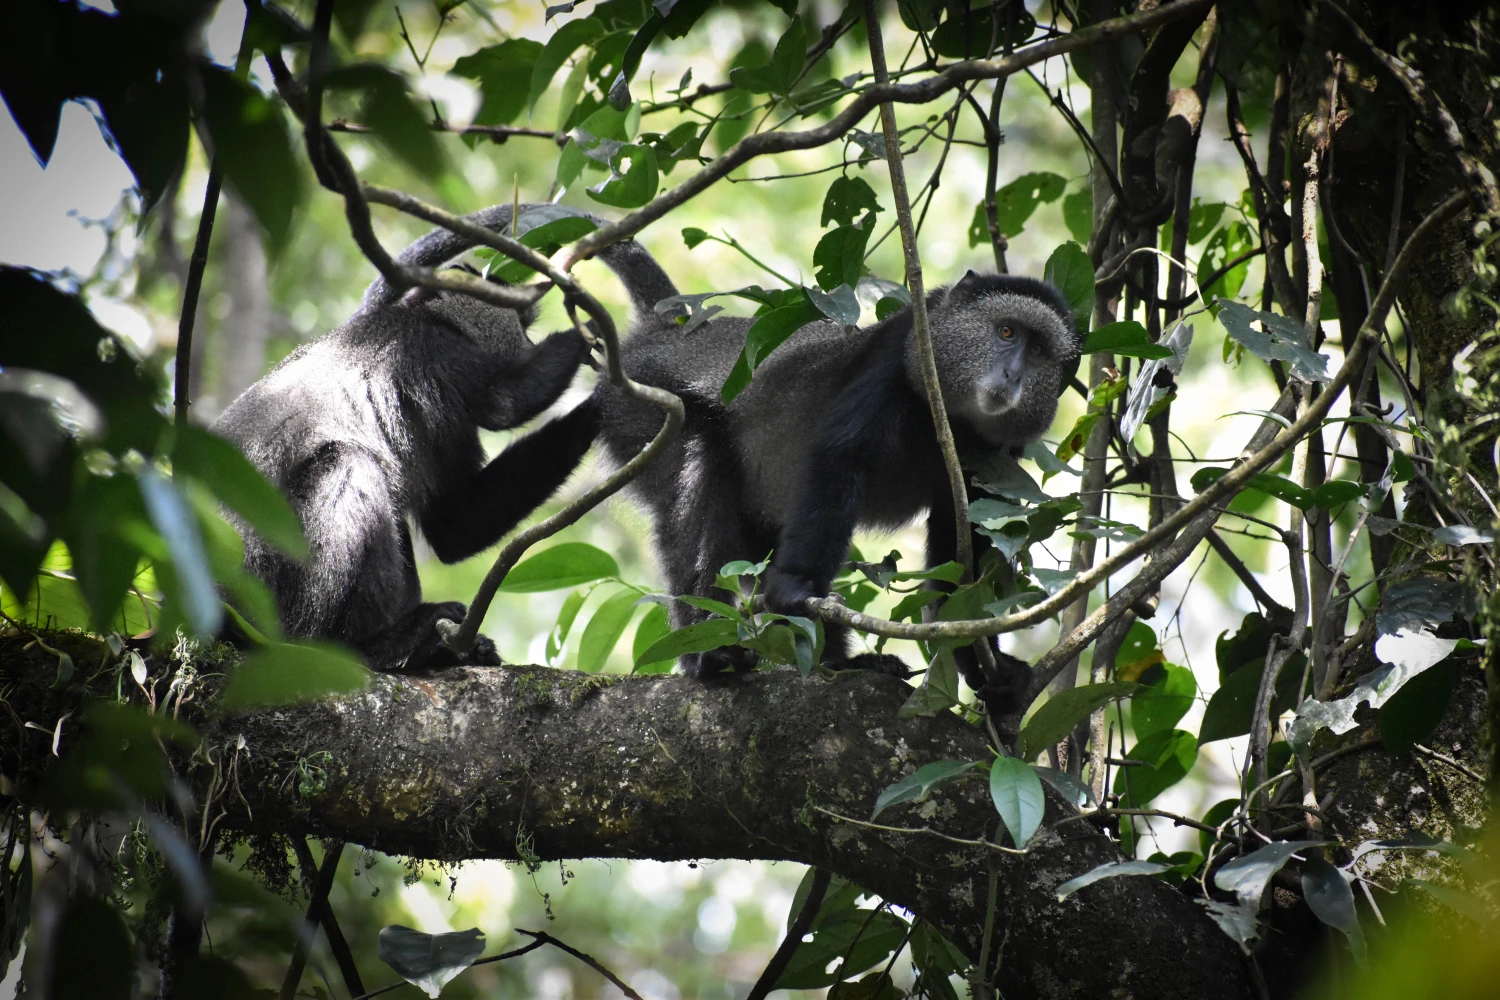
644	279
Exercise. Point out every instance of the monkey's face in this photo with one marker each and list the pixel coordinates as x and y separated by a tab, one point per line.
1001	358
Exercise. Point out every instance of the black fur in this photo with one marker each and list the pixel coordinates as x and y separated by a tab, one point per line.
834	432
377	422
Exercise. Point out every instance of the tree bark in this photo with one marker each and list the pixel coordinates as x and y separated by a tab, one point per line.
532	763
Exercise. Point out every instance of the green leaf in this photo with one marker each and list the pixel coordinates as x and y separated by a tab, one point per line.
389	111
544	233
1018	797
565	617
1413	712
1127	338
1335	492
1232	707
1277	486
1110	869
1203	218
191	583
692	237
604	629
653	627
780	74
1166	759
1078	214
504	73
220	466
847	199
767	333
1278	339
429	961
699	637
253	148
840	257
938	691
560	567
286	673
1165	699
1248	876
1227	244
559	47
851	936
915	786
1064	710
633	176
1332	901
1014	204
1139	646
1071	271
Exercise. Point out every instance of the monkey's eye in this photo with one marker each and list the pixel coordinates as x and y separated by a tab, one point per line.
1007	333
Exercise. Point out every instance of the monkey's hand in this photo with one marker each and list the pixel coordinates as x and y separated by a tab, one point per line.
788	593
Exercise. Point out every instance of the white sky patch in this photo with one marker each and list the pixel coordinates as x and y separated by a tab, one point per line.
37	206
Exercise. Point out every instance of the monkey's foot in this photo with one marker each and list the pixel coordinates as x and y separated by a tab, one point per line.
882	663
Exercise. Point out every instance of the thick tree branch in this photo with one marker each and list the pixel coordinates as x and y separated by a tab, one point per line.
466	763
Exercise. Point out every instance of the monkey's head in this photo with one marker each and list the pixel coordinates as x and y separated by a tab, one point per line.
1005	347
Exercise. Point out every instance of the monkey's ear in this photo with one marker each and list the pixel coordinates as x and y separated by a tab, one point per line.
969	282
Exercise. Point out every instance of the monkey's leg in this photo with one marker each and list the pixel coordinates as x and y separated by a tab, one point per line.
700	527
474	516
535	384
359	583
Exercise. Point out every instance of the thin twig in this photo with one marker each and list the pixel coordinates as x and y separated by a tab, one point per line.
498	133
798	928
331	930
1458	766
545	938
881	827
923	332
319	898
1237	566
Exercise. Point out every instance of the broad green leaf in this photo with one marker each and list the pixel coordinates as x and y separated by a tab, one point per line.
1163	701
1078	214
1408	653
1227	244
591	143
1248	876
1052	722
1137	651
850	936
1332	901
1018	797
566	565
389	111
1126	338
504	74
1165	758
1231	708
693	236
1074	791
546	237
848	198
1014	204
1203	218
1277	486
915	786
1278	339
565	618
938	691
220	466
839	258
1071	271
766	334
429	961
1110	869
287	673
559	47
604	629
633	177
1335	492
966	32
175	521
699	637
780	74
1413	712
652	628
1417	603
252	147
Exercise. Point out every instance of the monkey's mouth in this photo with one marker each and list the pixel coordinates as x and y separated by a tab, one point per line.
998	400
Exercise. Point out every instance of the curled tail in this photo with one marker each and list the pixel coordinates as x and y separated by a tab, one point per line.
643	278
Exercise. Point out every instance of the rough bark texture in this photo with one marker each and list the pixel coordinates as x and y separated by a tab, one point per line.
476	763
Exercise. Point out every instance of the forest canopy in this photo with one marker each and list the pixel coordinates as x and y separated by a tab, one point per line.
1249	569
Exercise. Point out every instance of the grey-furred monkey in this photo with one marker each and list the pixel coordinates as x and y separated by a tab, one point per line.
378	422
833	433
